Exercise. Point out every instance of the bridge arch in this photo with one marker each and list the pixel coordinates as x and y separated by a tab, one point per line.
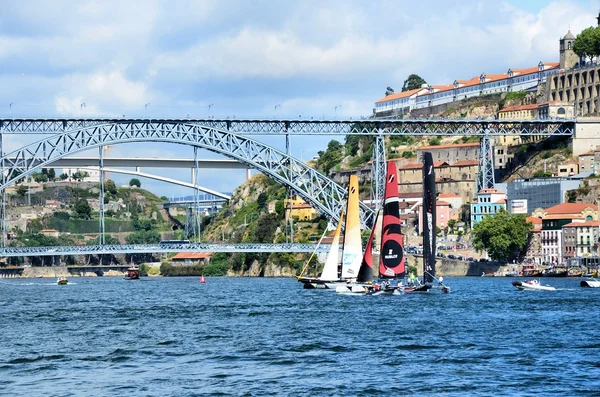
315	188
162	179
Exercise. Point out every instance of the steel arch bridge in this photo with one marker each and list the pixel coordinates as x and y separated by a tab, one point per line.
321	192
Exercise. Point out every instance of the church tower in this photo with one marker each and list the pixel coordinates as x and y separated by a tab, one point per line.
568	58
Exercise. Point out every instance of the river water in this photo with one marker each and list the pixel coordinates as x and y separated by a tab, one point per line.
258	337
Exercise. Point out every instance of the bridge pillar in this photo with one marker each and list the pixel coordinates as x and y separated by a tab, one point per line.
485	176
3	209
379	169
586	136
101	195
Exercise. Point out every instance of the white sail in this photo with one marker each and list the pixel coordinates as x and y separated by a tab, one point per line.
352	253
330	270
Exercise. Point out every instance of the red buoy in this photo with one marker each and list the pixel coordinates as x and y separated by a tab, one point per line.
202	280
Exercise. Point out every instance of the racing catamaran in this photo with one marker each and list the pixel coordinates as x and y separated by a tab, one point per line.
352	249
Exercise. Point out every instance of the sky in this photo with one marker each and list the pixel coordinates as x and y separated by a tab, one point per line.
255	59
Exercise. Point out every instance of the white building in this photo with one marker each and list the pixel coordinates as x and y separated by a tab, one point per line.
93	173
512	81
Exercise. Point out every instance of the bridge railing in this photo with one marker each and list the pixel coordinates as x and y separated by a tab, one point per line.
159	248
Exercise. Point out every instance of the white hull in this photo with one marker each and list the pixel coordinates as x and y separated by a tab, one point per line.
532	285
590	283
353	289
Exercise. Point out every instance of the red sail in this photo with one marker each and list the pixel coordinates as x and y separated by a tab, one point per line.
365	274
391	260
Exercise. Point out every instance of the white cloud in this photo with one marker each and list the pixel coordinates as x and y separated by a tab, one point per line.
246	57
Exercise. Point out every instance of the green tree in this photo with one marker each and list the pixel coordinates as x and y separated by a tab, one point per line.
436	141
51	174
261	201
502	235
63	177
412	82
587	43
332	157
267	225
134	182
110	186
21	190
82	209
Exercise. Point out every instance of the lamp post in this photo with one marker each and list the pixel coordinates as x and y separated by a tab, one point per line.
146	107
81	107
277	106
336	108
10	109
209	107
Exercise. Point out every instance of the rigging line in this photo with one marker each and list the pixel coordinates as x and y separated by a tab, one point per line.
313	254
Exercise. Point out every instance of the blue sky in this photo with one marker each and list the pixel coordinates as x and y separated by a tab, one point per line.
256	58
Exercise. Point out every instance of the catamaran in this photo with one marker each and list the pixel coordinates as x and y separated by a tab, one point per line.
428	214
391	258
352	249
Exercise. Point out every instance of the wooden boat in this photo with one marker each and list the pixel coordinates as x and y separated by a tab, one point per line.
529	270
62	281
531	285
555	272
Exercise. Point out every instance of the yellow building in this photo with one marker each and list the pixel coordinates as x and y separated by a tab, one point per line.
298	209
519	112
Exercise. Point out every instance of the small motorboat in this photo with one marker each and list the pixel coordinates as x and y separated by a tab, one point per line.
531	285
133	273
62	281
590	283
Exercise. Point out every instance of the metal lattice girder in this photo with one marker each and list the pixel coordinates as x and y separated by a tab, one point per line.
322	193
191	204
463	127
379	170
157	248
485	177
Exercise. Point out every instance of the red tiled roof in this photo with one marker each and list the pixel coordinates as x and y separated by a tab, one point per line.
465	163
501	201
450	146
519	107
570	208
192	255
534	220
448	195
400	95
583	224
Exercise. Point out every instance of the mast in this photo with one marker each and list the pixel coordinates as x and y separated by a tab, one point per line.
391	259
352	252
428	218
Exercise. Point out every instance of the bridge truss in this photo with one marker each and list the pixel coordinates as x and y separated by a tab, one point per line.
229	138
159	248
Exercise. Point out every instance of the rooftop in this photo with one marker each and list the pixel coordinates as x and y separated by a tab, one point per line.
570	208
583	224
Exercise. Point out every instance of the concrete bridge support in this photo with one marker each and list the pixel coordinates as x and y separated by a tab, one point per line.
586	136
